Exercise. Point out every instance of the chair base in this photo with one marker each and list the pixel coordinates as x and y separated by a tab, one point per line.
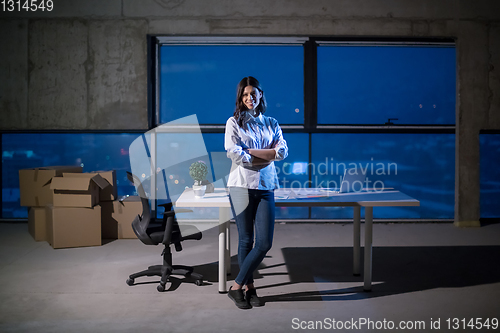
158	270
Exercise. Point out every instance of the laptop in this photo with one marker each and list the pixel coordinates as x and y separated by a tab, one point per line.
353	181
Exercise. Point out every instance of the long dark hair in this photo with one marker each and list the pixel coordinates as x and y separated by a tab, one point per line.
240	106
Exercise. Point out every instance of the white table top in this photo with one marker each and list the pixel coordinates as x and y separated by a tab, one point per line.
217	199
306	198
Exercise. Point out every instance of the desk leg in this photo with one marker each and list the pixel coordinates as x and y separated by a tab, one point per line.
223	221
228	241
357	242
368	248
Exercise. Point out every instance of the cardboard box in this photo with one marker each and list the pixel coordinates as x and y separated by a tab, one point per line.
77	190
109	193
117	217
37	224
73	227
33	184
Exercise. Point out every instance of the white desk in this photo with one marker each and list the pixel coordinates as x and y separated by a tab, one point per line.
366	199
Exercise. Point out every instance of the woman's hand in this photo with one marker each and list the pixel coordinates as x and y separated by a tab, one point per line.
268	155
257	161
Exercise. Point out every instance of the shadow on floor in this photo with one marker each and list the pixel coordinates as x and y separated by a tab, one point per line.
210	271
396	270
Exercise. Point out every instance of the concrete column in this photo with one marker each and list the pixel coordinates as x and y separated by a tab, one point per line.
494	77
57	87
472	108
117	74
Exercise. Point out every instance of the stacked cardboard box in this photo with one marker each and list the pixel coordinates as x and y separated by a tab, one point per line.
33	184
108	193
74	219
73	227
36	194
117	217
37	223
69	208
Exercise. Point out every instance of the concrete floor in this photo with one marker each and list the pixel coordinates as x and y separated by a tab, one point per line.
422	272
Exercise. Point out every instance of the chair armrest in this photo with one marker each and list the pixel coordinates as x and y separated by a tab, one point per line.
169	213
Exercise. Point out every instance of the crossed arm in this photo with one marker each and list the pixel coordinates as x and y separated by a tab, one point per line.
262	156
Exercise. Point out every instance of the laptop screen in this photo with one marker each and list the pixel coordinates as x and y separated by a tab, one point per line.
353	181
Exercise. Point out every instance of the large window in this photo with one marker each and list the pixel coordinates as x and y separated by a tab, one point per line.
372	83
420	165
490	174
201	80
92	151
333	100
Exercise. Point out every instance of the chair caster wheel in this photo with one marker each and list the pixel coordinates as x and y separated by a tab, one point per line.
130	282
160	288
198	282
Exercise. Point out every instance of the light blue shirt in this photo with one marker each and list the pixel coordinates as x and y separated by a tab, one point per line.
259	132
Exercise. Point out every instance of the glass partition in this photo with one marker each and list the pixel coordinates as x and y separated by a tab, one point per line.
420	165
202	80
92	151
490	175
369	84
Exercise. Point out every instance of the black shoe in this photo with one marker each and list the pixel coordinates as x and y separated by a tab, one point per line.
238	298
252	298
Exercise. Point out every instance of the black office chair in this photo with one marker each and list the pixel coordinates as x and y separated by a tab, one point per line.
167	233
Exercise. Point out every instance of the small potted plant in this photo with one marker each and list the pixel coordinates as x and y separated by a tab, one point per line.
198	171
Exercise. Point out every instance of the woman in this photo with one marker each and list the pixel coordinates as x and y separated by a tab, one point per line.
252	141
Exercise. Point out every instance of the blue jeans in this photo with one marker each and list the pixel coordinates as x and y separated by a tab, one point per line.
252	209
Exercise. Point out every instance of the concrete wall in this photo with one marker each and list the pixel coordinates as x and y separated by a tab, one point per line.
83	65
